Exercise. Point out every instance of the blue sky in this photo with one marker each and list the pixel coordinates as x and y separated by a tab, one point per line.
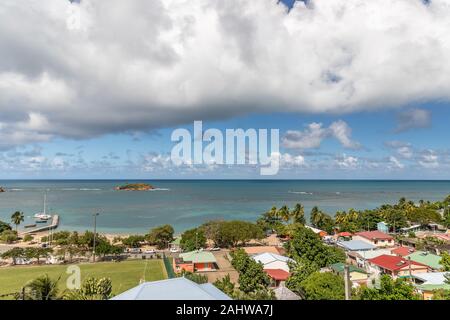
346	107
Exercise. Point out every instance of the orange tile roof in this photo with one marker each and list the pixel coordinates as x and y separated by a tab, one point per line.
261	249
277	274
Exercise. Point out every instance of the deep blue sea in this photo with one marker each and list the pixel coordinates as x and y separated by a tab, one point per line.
188	203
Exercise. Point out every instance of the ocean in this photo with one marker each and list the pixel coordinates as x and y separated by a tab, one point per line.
188	203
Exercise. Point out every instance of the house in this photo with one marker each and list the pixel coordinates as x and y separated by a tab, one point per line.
383	227
356	245
261	249
360	258
273	261
357	275
278	276
319	232
173	289
413	228
426	283
175	245
345	235
396	266
283	293
426	258
402	251
194	261
377	238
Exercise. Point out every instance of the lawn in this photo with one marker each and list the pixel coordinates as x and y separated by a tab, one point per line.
124	275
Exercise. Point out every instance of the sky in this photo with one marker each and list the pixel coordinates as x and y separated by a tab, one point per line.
94	89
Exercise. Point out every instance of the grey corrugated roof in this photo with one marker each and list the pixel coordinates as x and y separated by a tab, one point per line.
173	289
356	245
283	293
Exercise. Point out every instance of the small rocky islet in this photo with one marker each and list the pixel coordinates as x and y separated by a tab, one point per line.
135	187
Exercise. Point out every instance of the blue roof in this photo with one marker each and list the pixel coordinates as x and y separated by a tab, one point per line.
356	245
173	289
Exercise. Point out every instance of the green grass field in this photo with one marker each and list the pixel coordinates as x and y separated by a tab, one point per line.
124	275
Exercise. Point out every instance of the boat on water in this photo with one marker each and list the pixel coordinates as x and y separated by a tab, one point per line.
43	216
30	226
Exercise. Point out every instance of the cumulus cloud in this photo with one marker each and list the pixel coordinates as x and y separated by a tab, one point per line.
315	133
402	149
429	159
413	119
139	65
347	162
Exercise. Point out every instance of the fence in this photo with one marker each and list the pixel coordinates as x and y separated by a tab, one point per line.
170	273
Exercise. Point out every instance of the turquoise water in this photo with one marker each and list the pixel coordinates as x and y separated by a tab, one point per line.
185	204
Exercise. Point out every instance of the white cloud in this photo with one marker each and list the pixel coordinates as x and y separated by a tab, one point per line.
402	149
413	119
315	133
429	159
347	162
137	65
394	163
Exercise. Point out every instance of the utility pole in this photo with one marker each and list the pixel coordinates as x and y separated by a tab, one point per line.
347	282
410	273
95	233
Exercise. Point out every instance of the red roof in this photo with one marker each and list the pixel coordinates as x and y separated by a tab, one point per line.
402	251
374	235
277	274
393	263
344	234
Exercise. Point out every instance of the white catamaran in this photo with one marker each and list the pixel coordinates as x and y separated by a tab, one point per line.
43	216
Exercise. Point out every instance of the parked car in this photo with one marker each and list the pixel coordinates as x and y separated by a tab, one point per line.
214	249
134	250
150	251
175	250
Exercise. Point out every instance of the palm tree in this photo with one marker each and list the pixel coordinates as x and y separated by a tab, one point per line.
17	218
298	214
316	216
43	288
283	213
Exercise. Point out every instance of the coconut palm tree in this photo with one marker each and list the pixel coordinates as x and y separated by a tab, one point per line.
42	288
17	218
284	213
298	214
316	216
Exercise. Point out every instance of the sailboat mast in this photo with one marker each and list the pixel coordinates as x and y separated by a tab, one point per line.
45	203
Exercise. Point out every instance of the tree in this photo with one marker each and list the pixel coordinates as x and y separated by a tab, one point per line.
389	289
300	271
91	289
321	220
4	226
251	273
284	213
441	294
161	236
269	221
17	218
445	261
8	236
14	254
133	241
193	239
195	277
225	285
227	234
323	286
298	214
307	246
42	288
395	218
368	219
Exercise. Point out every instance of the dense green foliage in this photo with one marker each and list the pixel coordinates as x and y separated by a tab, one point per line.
4	226
251	273
161	236
91	289
193	239
227	234
445	261
389	289
307	246
42	288
323	286
8	236
133	241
